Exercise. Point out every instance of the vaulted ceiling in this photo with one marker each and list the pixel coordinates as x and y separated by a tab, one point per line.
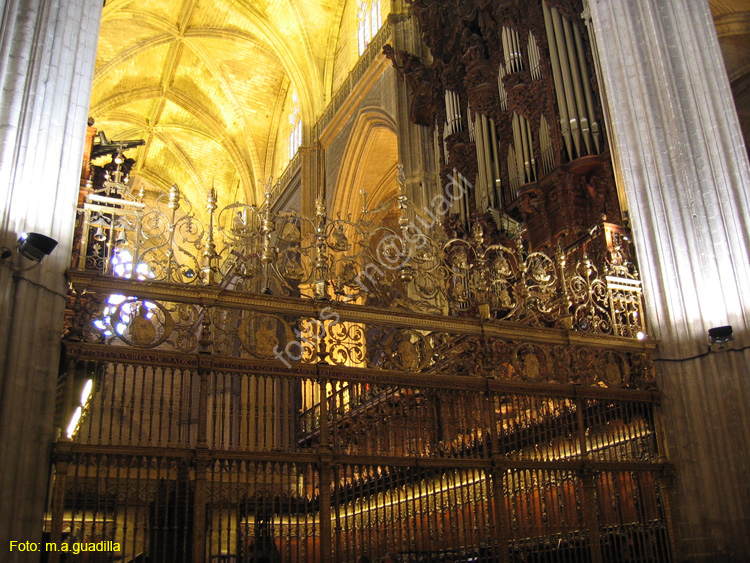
206	83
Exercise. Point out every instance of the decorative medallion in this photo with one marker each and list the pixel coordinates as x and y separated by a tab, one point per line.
293	268
142	330
531	362
143	324
263	335
408	350
614	369
500	268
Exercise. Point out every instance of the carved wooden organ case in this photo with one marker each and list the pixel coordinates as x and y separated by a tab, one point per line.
513	103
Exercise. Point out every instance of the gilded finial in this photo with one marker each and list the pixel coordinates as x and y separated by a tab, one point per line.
268	191
363	193
401	200
174	197
211	200
477	233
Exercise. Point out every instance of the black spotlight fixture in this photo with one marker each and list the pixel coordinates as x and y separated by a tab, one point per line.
720	334
35	246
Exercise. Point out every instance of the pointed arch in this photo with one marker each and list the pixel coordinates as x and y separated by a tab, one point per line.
369	162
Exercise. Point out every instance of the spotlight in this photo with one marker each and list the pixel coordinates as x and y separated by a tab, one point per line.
35	246
720	334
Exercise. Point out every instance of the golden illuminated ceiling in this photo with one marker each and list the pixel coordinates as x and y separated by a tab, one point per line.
206	84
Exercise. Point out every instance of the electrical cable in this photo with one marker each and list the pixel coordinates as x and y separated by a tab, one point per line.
700	355
41	286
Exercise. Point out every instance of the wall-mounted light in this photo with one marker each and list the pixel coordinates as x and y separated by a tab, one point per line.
717	335
720	334
32	246
35	246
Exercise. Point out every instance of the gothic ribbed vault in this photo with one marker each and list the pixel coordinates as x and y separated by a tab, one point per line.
206	83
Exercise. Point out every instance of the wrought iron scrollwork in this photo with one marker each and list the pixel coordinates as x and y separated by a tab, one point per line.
360	261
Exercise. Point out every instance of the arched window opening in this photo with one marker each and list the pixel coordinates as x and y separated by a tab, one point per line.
368	23
295	127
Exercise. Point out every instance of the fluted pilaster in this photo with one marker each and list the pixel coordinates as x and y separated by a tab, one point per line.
683	167
47	54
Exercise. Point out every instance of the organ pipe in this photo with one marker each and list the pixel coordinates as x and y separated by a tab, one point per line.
545	146
587	87
496	161
518	148
458	125
575	98
446	132
506	48
526	150
480	187
521	160
583	119
448	112
517	49
455	204
557	77
522	139
488	165
534	58
513	178
452	112
487	123
567	80
512	50
460	205
532	161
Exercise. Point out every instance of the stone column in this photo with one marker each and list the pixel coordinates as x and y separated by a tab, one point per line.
47	55
312	158
415	151
683	168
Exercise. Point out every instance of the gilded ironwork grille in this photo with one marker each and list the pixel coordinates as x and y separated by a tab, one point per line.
255	403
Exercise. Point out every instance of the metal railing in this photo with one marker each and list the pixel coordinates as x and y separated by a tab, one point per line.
593	287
